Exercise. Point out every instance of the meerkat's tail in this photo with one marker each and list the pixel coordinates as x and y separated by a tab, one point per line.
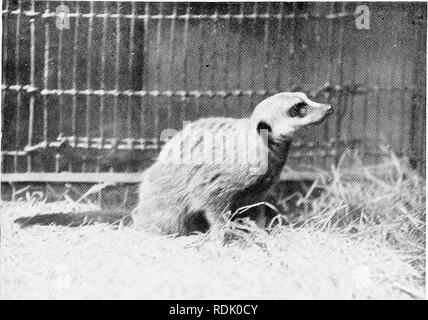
77	219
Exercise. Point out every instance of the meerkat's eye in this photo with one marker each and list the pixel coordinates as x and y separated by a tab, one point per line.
299	109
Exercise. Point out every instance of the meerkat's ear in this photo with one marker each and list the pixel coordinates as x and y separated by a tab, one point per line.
264	126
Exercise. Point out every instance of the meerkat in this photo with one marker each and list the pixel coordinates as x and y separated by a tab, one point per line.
216	165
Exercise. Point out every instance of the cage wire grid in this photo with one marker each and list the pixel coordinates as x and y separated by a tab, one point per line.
88	102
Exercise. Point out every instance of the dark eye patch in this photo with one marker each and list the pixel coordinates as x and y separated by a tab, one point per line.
298	110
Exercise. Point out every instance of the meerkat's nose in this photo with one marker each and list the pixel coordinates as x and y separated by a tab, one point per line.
329	109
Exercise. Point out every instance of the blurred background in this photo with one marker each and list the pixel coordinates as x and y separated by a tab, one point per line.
89	86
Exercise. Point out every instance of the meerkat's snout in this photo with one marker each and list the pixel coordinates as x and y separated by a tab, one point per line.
327	109
320	113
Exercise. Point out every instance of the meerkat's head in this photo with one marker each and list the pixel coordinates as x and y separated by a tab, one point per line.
284	113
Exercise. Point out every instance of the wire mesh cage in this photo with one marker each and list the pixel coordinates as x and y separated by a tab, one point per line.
88	87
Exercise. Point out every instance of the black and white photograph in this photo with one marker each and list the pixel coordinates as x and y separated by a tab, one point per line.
213	151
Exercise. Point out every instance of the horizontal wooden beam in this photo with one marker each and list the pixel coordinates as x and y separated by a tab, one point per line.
114	177
72	177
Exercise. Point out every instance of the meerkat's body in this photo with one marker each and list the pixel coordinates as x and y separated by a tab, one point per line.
214	166
217	165
174	193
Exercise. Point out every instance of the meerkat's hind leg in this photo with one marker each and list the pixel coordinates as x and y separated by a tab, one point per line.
194	221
